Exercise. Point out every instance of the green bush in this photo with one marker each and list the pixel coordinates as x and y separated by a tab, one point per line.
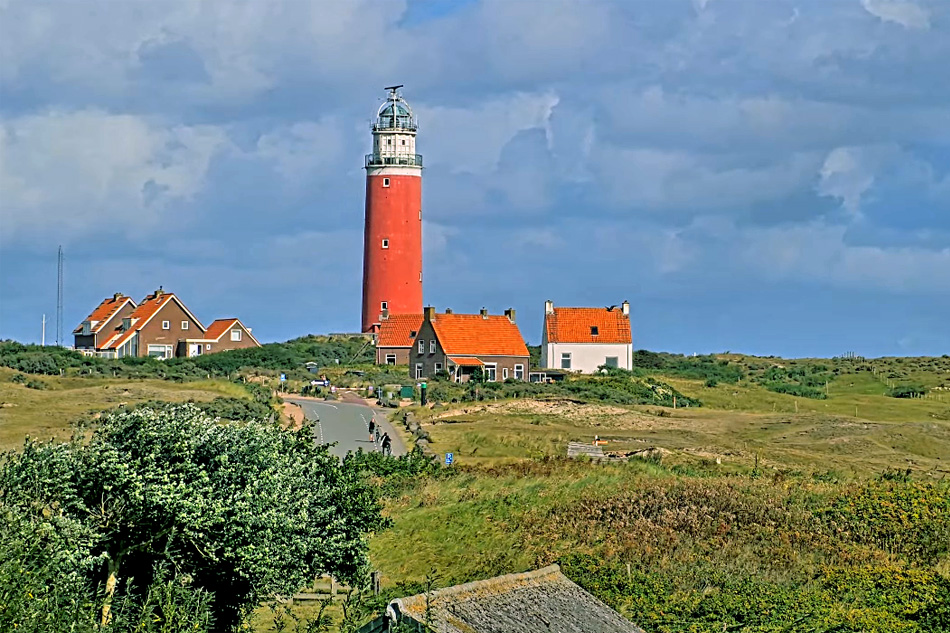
907	391
36	384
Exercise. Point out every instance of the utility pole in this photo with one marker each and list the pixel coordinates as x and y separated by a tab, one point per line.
59	298
43	336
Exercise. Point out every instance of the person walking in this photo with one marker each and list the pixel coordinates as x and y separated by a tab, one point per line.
387	445
372	429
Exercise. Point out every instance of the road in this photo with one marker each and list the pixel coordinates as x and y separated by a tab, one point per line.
346	424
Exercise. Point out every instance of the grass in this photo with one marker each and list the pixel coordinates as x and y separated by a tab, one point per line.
49	412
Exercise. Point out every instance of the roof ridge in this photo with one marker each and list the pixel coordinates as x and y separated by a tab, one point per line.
469	587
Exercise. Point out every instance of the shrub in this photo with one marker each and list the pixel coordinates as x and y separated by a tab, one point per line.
907	391
36	384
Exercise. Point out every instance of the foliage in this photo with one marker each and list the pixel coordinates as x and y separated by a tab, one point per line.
36	384
45	562
18	379
617	386
245	510
706	367
907	391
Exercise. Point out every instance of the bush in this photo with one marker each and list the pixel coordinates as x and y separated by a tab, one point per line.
36	384
907	391
244	510
18	379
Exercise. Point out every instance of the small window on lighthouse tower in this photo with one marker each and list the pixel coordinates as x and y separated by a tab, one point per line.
385	182
385	243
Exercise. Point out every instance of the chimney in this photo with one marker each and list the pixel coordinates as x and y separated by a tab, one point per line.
484	313
549	307
448	310
428	312
625	306
159	292
510	313
116	296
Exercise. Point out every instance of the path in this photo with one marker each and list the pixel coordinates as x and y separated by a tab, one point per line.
347	424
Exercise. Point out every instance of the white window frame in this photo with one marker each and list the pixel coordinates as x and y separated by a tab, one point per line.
207	347
422	346
438	367
184	325
616	361
491	372
504	373
385	182
566	356
385	242
236	335
390	359
519	372
432	346
383	305
418	370
165	350
166	325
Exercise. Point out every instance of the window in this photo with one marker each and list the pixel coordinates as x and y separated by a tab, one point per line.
207	347
432	346
160	351
184	325
519	372
390	359
504	373
422	346
611	361
385	243
438	367
235	335
418	370
389	141
413	334
420	276
403	141
385	182
383	305
593	330
166	325
565	360
490	373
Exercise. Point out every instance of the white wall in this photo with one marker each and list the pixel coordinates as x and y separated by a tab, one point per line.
586	357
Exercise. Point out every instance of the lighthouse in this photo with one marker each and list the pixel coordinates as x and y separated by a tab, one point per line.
392	238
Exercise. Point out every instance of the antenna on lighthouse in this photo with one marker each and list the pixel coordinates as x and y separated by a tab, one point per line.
392	90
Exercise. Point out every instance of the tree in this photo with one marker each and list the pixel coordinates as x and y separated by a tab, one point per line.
244	510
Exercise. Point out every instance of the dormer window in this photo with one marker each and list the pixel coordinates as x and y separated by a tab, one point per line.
593	330
126	323
86	328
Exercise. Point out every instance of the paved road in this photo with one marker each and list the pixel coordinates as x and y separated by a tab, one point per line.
346	424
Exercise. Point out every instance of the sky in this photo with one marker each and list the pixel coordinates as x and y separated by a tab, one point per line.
759	177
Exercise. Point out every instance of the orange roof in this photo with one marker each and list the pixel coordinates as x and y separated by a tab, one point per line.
118	338
398	330
575	325
466	362
475	335
104	311
218	327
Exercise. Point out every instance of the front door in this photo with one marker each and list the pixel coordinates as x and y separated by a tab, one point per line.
194	349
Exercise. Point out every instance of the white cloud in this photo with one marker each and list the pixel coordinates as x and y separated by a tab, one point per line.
73	174
304	151
470	139
907	14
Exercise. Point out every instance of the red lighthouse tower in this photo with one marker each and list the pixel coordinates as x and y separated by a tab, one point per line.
392	241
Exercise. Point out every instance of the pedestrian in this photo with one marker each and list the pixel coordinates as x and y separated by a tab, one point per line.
387	445
377	433
372	429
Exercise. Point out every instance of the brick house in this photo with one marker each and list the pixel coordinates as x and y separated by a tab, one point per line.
102	322
161	326
395	338
221	335
460	344
583	339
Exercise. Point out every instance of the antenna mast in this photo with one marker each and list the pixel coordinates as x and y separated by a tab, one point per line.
59	298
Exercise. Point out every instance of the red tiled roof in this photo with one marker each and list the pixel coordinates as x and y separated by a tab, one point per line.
104	312
475	335
118	338
573	325
466	362
218	327
398	330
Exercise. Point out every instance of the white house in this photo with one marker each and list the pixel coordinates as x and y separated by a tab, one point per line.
583	339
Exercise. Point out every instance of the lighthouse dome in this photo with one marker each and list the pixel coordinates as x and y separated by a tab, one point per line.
395	113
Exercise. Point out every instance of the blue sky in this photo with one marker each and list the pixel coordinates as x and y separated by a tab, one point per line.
765	177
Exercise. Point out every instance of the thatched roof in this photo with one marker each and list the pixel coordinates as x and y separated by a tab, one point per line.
539	601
